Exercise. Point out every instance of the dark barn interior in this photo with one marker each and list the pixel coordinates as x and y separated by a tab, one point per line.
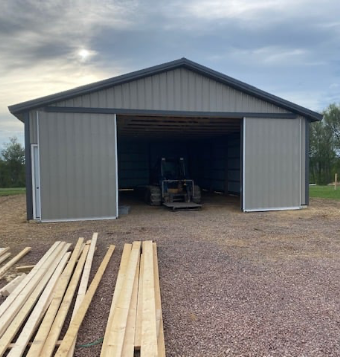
210	146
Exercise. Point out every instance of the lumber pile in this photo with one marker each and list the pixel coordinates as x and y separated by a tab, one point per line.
40	302
135	319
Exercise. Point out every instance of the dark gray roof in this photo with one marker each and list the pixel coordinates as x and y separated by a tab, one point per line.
184	63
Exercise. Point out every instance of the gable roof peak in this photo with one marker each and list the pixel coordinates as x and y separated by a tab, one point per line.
168	66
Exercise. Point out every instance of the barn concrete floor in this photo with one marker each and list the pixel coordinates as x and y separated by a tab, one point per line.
233	284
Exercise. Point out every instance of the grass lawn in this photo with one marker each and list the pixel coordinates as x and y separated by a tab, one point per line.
325	192
12	191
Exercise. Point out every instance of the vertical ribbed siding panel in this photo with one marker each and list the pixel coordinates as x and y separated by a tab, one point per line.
272	164
77	153
179	89
33	127
303	159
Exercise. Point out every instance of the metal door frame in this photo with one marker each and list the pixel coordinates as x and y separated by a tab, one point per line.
35	162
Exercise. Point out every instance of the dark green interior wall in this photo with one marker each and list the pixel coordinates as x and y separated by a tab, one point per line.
234	164
133	164
213	164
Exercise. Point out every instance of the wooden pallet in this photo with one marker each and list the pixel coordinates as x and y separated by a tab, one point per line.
184	206
135	320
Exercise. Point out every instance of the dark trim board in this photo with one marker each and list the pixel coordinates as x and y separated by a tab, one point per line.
307	123
241	164
120	111
180	63
28	169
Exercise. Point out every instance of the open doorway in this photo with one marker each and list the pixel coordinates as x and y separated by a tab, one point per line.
211	147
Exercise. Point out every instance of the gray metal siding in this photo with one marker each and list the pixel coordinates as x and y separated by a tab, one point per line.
77	166
33	127
303	122
272	164
176	90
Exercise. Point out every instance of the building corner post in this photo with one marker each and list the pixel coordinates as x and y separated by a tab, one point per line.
28	168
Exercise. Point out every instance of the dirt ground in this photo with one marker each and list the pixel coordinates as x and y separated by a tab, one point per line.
232	283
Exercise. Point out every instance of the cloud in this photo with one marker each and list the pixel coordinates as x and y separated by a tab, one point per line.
287	47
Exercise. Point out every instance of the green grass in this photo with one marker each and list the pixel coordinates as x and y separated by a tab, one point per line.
325	192
12	191
314	191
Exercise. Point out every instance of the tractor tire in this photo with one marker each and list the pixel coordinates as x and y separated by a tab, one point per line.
153	196
197	194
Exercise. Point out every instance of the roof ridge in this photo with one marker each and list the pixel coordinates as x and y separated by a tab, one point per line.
182	62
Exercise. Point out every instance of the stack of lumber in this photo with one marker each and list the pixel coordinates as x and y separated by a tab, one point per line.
135	319
39	304
5	254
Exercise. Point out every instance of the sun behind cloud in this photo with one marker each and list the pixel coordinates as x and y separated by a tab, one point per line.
84	55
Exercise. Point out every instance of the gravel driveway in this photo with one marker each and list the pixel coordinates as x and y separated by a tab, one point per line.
233	284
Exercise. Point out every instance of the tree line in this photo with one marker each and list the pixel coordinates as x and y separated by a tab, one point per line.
324	153
12	164
324	147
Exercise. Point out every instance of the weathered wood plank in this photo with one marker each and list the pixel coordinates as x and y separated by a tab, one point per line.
14	295
59	320
8	265
4	250
4	257
47	322
118	287
24	268
7	289
120	317
75	324
129	339
37	314
149	346
25	294
84	282
138	331
21	315
159	318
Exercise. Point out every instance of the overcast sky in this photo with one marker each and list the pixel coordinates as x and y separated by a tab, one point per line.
290	48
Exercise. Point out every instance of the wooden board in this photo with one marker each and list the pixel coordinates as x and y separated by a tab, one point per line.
119	283
84	282
47	322
17	291
149	346
138	331
120	317
4	257
8	265
24	268
59	320
75	324
161	342
21	315
35	317
157	289
129	339
7	289
159	318
4	250
182	205
15	307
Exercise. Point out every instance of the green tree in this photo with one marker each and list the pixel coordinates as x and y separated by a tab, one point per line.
12	164
332	120
322	153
